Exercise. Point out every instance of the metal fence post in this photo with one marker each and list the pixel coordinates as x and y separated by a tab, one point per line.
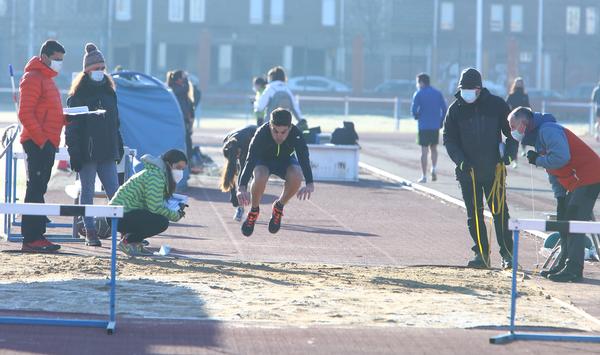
396	114
346	106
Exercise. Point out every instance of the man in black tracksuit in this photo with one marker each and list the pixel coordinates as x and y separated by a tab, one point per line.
473	132
277	148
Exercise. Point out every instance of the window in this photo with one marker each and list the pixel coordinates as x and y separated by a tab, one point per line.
197	10
328	12
591	20
497	18
162	55
176	10
3	7
277	12
123	10
256	12
516	18
573	19
447	16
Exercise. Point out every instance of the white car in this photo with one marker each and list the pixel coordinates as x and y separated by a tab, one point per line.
316	83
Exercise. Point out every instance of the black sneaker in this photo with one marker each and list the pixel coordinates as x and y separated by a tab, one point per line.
275	222
248	225
478	262
565	276
555	270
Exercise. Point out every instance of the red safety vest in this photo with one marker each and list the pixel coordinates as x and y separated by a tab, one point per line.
582	169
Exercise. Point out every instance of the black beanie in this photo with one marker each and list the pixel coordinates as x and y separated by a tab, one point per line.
470	78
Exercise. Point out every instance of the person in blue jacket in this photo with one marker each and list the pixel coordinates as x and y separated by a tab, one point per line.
429	108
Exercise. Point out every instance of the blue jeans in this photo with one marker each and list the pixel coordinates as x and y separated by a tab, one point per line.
107	172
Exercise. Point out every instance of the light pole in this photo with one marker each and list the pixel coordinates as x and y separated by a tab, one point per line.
148	53
540	30
479	37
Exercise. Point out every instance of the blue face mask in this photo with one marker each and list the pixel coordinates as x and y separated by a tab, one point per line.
518	136
469	95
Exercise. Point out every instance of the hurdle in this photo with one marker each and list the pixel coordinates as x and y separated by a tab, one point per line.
41	209
517	225
10	194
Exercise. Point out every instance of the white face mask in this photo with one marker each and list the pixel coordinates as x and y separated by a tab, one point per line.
518	136
56	65
468	95
97	75
177	175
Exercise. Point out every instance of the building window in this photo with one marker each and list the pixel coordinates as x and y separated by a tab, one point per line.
591	20
573	19
497	18
256	12
516	18
197	10
277	12
447	16
328	12
162	55
123	10
176	10
3	7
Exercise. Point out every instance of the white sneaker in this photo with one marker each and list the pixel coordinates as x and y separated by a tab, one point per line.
422	180
433	175
239	213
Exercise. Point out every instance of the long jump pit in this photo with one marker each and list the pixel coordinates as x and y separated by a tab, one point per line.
342	272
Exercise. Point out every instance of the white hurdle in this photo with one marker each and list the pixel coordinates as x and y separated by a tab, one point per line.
41	209
517	225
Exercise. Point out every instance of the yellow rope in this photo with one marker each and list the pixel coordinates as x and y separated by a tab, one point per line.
485	260
497	198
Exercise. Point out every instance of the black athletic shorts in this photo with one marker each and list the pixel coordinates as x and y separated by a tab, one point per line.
428	137
279	166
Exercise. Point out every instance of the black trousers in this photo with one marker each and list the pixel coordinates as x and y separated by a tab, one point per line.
189	146
138	225
579	206
39	167
483	188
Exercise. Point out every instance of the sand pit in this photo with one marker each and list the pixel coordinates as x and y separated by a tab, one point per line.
278	293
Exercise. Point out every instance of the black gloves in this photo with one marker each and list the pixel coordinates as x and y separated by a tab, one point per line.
76	164
507	159
532	156
181	211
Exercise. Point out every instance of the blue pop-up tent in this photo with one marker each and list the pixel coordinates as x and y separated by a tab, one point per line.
151	120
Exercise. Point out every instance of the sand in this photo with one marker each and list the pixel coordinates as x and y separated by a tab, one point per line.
279	293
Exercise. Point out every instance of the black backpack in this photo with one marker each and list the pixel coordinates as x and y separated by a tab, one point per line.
346	135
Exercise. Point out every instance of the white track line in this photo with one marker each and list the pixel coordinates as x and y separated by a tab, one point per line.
431	192
229	234
352	231
577	310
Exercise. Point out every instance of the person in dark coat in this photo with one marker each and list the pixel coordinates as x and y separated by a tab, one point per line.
94	142
517	97
235	151
473	129
178	81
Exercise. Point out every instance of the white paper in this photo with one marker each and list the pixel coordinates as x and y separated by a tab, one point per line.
175	200
81	110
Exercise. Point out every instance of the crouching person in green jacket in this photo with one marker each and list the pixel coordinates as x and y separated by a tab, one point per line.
143	197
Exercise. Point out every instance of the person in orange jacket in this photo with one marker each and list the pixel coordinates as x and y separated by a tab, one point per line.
41	114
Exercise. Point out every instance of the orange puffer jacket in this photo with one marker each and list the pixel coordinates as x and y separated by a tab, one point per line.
40	107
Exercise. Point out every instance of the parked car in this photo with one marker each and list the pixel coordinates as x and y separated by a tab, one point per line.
581	92
403	89
316	83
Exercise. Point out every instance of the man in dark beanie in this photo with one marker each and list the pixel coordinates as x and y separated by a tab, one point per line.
475	123
41	114
277	148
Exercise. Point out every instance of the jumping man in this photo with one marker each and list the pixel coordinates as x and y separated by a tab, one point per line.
277	148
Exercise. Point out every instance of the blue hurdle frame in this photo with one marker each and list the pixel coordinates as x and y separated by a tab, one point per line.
513	335
109	324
